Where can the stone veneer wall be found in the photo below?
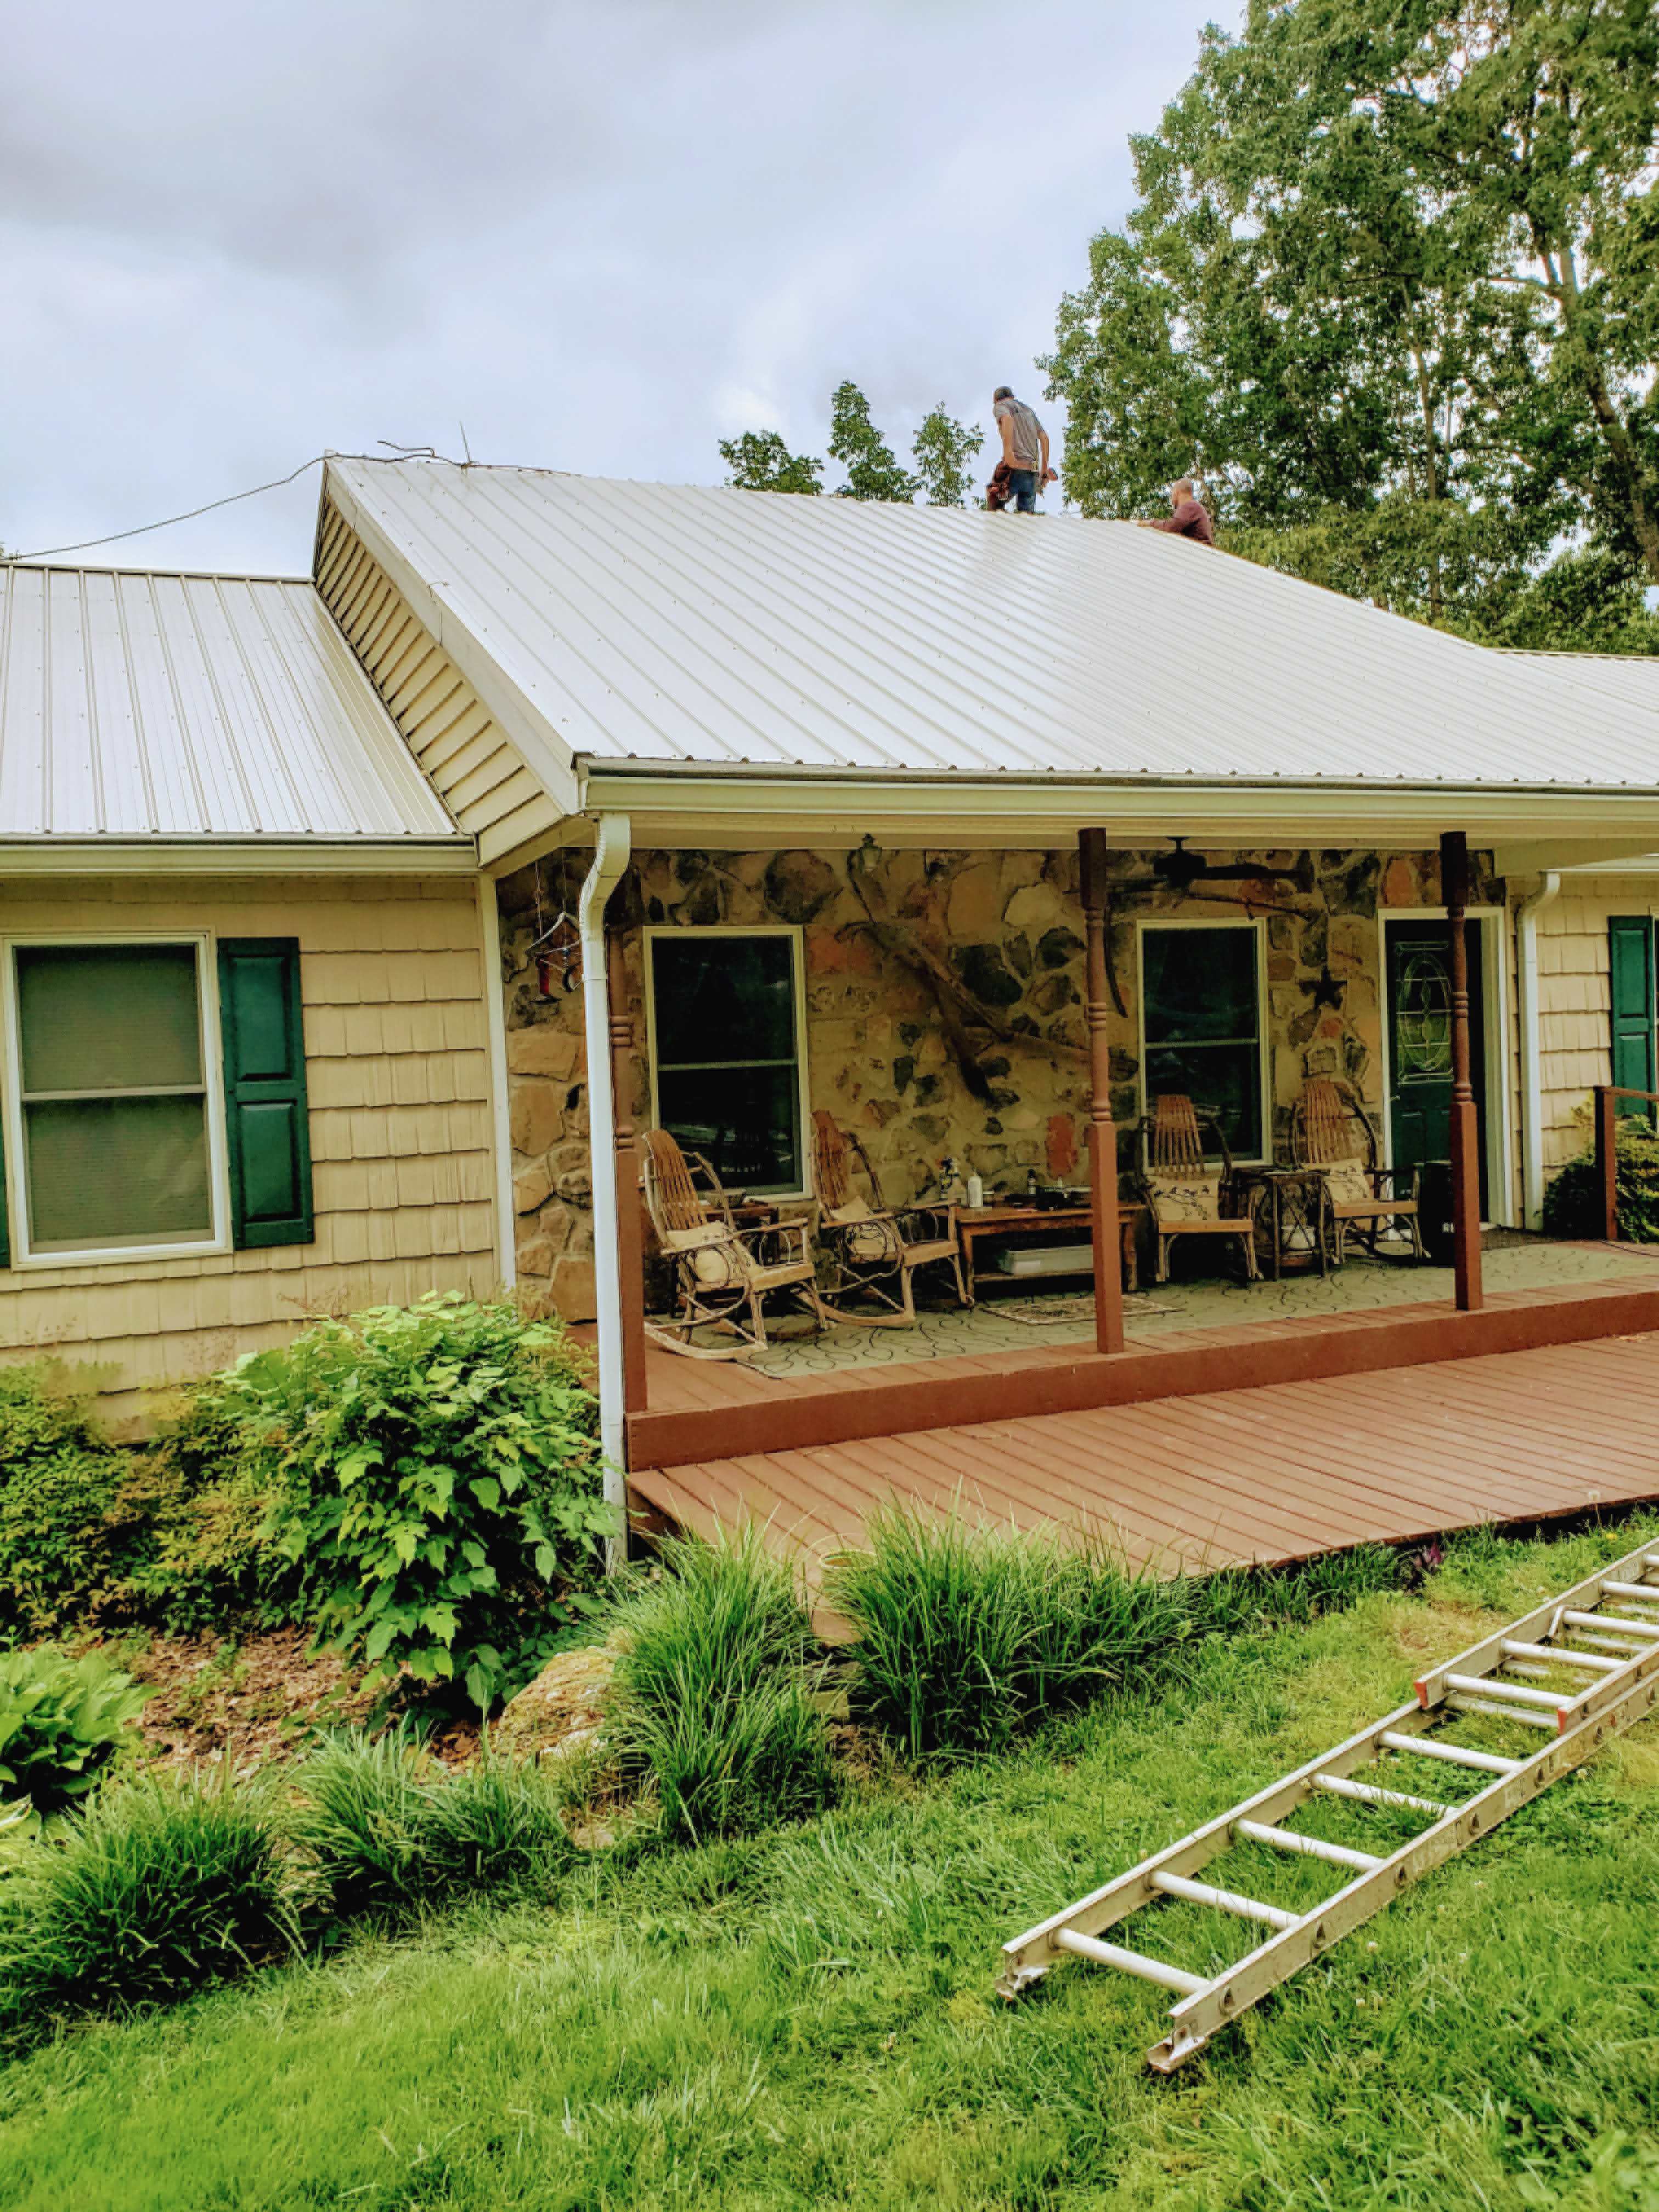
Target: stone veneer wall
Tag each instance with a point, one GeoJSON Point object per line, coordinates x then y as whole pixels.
{"type": "Point", "coordinates": [1011, 926]}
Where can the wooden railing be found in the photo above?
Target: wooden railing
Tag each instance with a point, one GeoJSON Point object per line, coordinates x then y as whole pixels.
{"type": "Point", "coordinates": [1607, 1096]}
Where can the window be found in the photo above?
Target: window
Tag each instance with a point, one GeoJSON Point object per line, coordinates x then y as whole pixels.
{"type": "Point", "coordinates": [725, 1057]}
{"type": "Point", "coordinates": [112, 1086]}
{"type": "Point", "coordinates": [1200, 1023]}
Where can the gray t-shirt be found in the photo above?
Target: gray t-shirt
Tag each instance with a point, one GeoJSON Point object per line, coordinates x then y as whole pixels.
{"type": "Point", "coordinates": [1027, 435]}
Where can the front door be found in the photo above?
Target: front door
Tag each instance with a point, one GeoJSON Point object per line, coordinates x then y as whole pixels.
{"type": "Point", "coordinates": [1419, 1043]}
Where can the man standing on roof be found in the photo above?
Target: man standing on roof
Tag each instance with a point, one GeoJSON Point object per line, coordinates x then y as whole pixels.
{"type": "Point", "coordinates": [1023, 469]}
{"type": "Point", "coordinates": [1188, 516]}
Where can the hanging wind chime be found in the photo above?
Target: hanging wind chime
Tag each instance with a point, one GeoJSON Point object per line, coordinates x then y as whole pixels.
{"type": "Point", "coordinates": [558, 943]}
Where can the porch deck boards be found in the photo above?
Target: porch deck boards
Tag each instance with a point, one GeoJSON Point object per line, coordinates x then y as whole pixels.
{"type": "Point", "coordinates": [1266, 1475]}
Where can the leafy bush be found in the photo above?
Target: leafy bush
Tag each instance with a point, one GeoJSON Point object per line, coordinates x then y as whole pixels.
{"type": "Point", "coordinates": [193, 1507]}
{"type": "Point", "coordinates": [385, 1837]}
{"type": "Point", "coordinates": [713, 1697]}
{"type": "Point", "coordinates": [159, 1887]}
{"type": "Point", "coordinates": [62, 1721]}
{"type": "Point", "coordinates": [967, 1637]}
{"type": "Point", "coordinates": [1572, 1199]}
{"type": "Point", "coordinates": [436, 1484]}
{"type": "Point", "coordinates": [59, 1475]}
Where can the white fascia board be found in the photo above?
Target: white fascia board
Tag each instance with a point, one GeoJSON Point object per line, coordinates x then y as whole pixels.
{"type": "Point", "coordinates": [238, 856]}
{"type": "Point", "coordinates": [732, 812]}
{"type": "Point", "coordinates": [520, 721]}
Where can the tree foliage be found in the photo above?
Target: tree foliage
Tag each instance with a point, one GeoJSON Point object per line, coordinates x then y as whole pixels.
{"type": "Point", "coordinates": [1392, 287]}
{"type": "Point", "coordinates": [942, 451]}
{"type": "Point", "coordinates": [872, 466]}
{"type": "Point", "coordinates": [759, 461]}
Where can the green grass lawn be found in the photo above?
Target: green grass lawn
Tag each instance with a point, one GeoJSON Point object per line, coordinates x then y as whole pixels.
{"type": "Point", "coordinates": [807, 2018]}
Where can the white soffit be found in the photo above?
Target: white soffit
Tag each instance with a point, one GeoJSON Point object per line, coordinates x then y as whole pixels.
{"type": "Point", "coordinates": [702, 629]}
{"type": "Point", "coordinates": [168, 707]}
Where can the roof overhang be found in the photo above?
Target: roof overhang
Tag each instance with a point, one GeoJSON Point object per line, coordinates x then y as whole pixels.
{"type": "Point", "coordinates": [238, 856]}
{"type": "Point", "coordinates": [1528, 828]}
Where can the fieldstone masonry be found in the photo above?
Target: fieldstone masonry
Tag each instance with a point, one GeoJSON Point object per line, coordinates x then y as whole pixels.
{"type": "Point", "coordinates": [1010, 926]}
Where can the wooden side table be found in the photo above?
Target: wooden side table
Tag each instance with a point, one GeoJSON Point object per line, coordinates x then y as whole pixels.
{"type": "Point", "coordinates": [974, 1224]}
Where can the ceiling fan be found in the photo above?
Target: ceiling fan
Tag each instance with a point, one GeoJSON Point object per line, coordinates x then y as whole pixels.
{"type": "Point", "coordinates": [1182, 873]}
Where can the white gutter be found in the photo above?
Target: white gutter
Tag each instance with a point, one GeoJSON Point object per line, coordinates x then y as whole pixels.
{"type": "Point", "coordinates": [610, 859]}
{"type": "Point", "coordinates": [490, 931]}
{"type": "Point", "coordinates": [1532, 1072]}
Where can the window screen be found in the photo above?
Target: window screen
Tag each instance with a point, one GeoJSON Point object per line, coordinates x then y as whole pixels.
{"type": "Point", "coordinates": [114, 1096]}
{"type": "Point", "coordinates": [728, 1054]}
{"type": "Point", "coordinates": [1201, 1025]}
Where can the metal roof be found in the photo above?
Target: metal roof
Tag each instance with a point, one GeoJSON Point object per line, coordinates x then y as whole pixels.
{"type": "Point", "coordinates": [134, 705]}
{"type": "Point", "coordinates": [695, 627]}
{"type": "Point", "coordinates": [1632, 677]}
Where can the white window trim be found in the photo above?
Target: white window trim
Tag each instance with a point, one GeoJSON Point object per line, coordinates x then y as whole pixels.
{"type": "Point", "coordinates": [797, 937]}
{"type": "Point", "coordinates": [207, 1006]}
{"type": "Point", "coordinates": [1264, 1043]}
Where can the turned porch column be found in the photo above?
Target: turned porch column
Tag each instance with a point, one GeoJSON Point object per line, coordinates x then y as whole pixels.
{"type": "Point", "coordinates": [630, 1262]}
{"type": "Point", "coordinates": [1103, 1136]}
{"type": "Point", "coordinates": [1465, 1113]}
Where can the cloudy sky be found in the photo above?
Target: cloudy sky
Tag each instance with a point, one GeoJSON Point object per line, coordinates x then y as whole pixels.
{"type": "Point", "coordinates": [602, 235]}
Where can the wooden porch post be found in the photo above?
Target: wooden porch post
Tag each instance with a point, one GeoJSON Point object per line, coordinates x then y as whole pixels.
{"type": "Point", "coordinates": [1465, 1114]}
{"type": "Point", "coordinates": [1103, 1136]}
{"type": "Point", "coordinates": [630, 1251]}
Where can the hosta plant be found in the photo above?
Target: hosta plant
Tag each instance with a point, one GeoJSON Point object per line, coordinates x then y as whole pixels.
{"type": "Point", "coordinates": [62, 1721]}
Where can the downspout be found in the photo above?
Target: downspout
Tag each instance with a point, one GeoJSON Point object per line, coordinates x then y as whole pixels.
{"type": "Point", "coordinates": [609, 860]}
{"type": "Point", "coordinates": [1532, 1068]}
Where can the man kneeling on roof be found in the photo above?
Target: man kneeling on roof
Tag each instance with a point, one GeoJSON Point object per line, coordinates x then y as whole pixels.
{"type": "Point", "coordinates": [1188, 516]}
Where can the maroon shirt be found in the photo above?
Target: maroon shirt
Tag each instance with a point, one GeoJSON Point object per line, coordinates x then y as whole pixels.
{"type": "Point", "coordinates": [1189, 520]}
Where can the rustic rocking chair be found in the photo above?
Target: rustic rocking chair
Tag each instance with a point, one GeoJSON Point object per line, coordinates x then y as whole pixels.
{"type": "Point", "coordinates": [1331, 1130]}
{"type": "Point", "coordinates": [875, 1250]}
{"type": "Point", "coordinates": [1184, 1193]}
{"type": "Point", "coordinates": [721, 1272]}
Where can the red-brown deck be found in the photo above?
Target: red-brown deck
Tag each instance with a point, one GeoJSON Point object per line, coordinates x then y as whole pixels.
{"type": "Point", "coordinates": [1274, 1473]}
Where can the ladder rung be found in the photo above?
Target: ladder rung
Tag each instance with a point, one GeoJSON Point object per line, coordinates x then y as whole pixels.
{"type": "Point", "coordinates": [1485, 1762]}
{"type": "Point", "coordinates": [1487, 1685]}
{"type": "Point", "coordinates": [1367, 1793]}
{"type": "Point", "coordinates": [1224, 1900]}
{"type": "Point", "coordinates": [1627, 1652]}
{"type": "Point", "coordinates": [1644, 1630]}
{"type": "Point", "coordinates": [1648, 1592]}
{"type": "Point", "coordinates": [1131, 1962]}
{"type": "Point", "coordinates": [1525, 1667]}
{"type": "Point", "coordinates": [1488, 1710]}
{"type": "Point", "coordinates": [1561, 1655]}
{"type": "Point", "coordinates": [1314, 1847]}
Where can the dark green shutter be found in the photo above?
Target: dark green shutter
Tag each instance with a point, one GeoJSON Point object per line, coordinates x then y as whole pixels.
{"type": "Point", "coordinates": [269, 1142]}
{"type": "Point", "coordinates": [1630, 950]}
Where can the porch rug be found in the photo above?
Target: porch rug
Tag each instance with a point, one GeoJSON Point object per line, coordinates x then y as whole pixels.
{"type": "Point", "coordinates": [1065, 1313]}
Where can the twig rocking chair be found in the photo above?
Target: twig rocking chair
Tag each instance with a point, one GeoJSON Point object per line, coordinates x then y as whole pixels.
{"type": "Point", "coordinates": [721, 1272]}
{"type": "Point", "coordinates": [1186, 1195]}
{"type": "Point", "coordinates": [874, 1249]}
{"type": "Point", "coordinates": [1331, 1130]}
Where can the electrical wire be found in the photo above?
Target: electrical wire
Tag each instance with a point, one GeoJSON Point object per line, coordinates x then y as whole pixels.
{"type": "Point", "coordinates": [86, 545]}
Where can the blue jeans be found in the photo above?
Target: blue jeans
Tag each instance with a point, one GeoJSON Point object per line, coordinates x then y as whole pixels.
{"type": "Point", "coordinates": [1024, 484]}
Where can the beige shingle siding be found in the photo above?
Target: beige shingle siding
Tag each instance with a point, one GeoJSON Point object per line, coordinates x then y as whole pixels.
{"type": "Point", "coordinates": [397, 1076]}
{"type": "Point", "coordinates": [474, 766]}
{"type": "Point", "coordinates": [1575, 1027]}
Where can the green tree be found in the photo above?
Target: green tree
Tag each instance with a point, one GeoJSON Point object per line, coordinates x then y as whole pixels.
{"type": "Point", "coordinates": [872, 466]}
{"type": "Point", "coordinates": [760, 461]}
{"type": "Point", "coordinates": [1391, 286]}
{"type": "Point", "coordinates": [942, 451]}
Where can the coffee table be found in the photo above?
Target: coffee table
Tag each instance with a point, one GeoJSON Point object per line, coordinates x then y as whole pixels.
{"type": "Point", "coordinates": [974, 1224]}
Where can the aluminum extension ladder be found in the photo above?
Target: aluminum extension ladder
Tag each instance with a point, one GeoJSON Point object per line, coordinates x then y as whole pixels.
{"type": "Point", "coordinates": [1581, 1667]}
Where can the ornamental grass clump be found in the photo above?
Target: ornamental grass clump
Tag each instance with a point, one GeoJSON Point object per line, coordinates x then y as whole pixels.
{"type": "Point", "coordinates": [387, 1832]}
{"type": "Point", "coordinates": [159, 1887]}
{"type": "Point", "coordinates": [436, 1484]}
{"type": "Point", "coordinates": [966, 1638]}
{"type": "Point", "coordinates": [715, 1701]}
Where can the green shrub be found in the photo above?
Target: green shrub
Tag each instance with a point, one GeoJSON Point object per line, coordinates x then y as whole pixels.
{"type": "Point", "coordinates": [59, 1475]}
{"type": "Point", "coordinates": [1572, 1199]}
{"type": "Point", "coordinates": [158, 1888]}
{"type": "Point", "coordinates": [386, 1834]}
{"type": "Point", "coordinates": [193, 1507]}
{"type": "Point", "coordinates": [966, 1637]}
{"type": "Point", "coordinates": [435, 1485]}
{"type": "Point", "coordinates": [62, 1721]}
{"type": "Point", "coordinates": [713, 1697]}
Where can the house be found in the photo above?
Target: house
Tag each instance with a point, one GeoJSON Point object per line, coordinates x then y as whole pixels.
{"type": "Point", "coordinates": [767, 805]}
{"type": "Point", "coordinates": [244, 1071]}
